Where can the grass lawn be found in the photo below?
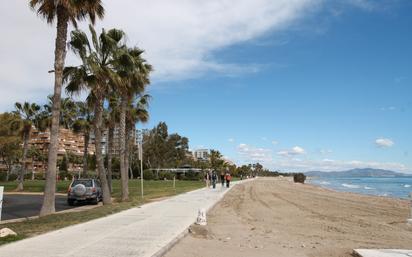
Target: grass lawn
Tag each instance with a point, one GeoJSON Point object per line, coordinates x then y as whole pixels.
{"type": "Point", "coordinates": [152, 190]}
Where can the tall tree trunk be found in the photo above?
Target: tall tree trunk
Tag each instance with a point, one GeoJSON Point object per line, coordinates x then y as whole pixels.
{"type": "Point", "coordinates": [110, 157]}
{"type": "Point", "coordinates": [127, 152]}
{"type": "Point", "coordinates": [99, 156]}
{"type": "Point", "coordinates": [85, 153]}
{"type": "Point", "coordinates": [48, 206]}
{"type": "Point", "coordinates": [8, 172]}
{"type": "Point", "coordinates": [123, 168]}
{"type": "Point", "coordinates": [26, 137]}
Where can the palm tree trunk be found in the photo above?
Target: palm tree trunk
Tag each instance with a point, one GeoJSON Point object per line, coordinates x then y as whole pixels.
{"type": "Point", "coordinates": [123, 168]}
{"type": "Point", "coordinates": [48, 206]}
{"type": "Point", "coordinates": [85, 152]}
{"type": "Point", "coordinates": [110, 157]}
{"type": "Point", "coordinates": [127, 153]}
{"type": "Point", "coordinates": [26, 137]}
{"type": "Point", "coordinates": [8, 172]}
{"type": "Point", "coordinates": [99, 156]}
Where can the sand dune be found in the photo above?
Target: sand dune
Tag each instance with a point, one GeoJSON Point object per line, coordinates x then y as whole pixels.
{"type": "Point", "coordinates": [275, 217]}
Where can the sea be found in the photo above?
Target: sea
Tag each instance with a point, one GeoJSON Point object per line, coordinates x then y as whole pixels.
{"type": "Point", "coordinates": [397, 187]}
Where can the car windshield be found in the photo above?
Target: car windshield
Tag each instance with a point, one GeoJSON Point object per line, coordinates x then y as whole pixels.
{"type": "Point", "coordinates": [86, 183]}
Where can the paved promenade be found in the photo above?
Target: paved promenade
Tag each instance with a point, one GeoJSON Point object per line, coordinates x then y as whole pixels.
{"type": "Point", "coordinates": [143, 231]}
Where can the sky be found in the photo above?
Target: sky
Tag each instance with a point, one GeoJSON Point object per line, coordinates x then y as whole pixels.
{"type": "Point", "coordinates": [296, 85]}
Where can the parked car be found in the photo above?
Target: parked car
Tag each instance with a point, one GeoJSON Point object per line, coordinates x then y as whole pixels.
{"type": "Point", "coordinates": [84, 190]}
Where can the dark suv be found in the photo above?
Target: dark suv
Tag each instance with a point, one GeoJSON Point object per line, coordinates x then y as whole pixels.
{"type": "Point", "coordinates": [84, 190]}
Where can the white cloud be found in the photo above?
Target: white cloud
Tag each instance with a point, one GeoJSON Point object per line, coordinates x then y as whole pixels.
{"type": "Point", "coordinates": [298, 160]}
{"type": "Point", "coordinates": [231, 140]}
{"type": "Point", "coordinates": [254, 154]}
{"type": "Point", "coordinates": [389, 108]}
{"type": "Point", "coordinates": [297, 150]}
{"type": "Point", "coordinates": [274, 142]}
{"type": "Point", "coordinates": [384, 142]}
{"type": "Point", "coordinates": [179, 37]}
{"type": "Point", "coordinates": [363, 4]}
{"type": "Point", "coordinates": [325, 151]}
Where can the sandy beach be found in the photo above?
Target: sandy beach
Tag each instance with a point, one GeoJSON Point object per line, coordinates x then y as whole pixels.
{"type": "Point", "coordinates": [275, 217]}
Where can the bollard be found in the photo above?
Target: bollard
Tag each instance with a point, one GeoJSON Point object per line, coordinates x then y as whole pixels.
{"type": "Point", "coordinates": [410, 219]}
{"type": "Point", "coordinates": [201, 217]}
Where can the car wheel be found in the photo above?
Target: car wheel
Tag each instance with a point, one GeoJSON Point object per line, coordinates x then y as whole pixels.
{"type": "Point", "coordinates": [70, 202]}
{"type": "Point", "coordinates": [95, 200]}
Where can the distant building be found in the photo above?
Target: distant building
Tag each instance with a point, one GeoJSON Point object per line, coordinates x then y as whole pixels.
{"type": "Point", "coordinates": [201, 154]}
{"type": "Point", "coordinates": [116, 140]}
{"type": "Point", "coordinates": [69, 143]}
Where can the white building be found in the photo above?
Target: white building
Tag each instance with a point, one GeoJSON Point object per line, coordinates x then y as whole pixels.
{"type": "Point", "coordinates": [201, 154]}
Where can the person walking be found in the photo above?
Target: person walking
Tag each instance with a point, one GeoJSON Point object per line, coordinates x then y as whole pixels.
{"type": "Point", "coordinates": [228, 178]}
{"type": "Point", "coordinates": [207, 179]}
{"type": "Point", "coordinates": [214, 179]}
{"type": "Point", "coordinates": [222, 178]}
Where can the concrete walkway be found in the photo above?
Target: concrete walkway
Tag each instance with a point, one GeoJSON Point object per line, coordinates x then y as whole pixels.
{"type": "Point", "coordinates": [148, 230]}
{"type": "Point", "coordinates": [382, 253]}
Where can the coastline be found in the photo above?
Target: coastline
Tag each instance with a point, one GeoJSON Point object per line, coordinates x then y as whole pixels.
{"type": "Point", "coordinates": [348, 184]}
{"type": "Point", "coordinates": [275, 217]}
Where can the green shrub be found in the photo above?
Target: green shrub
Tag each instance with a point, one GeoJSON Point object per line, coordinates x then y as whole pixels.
{"type": "Point", "coordinates": [192, 176]}
{"type": "Point", "coordinates": [166, 175]}
{"type": "Point", "coordinates": [299, 178]}
{"type": "Point", "coordinates": [148, 175]}
{"type": "Point", "coordinates": [65, 174]}
{"type": "Point", "coordinates": [12, 177]}
{"type": "Point", "coordinates": [3, 176]}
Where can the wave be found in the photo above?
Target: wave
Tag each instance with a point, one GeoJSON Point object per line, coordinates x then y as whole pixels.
{"type": "Point", "coordinates": [368, 188]}
{"type": "Point", "coordinates": [406, 185]}
{"type": "Point", "coordinates": [324, 183]}
{"type": "Point", "coordinates": [350, 185]}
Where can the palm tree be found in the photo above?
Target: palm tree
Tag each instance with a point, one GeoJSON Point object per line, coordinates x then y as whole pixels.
{"type": "Point", "coordinates": [137, 112]}
{"type": "Point", "coordinates": [64, 11]}
{"type": "Point", "coordinates": [132, 77]}
{"type": "Point", "coordinates": [83, 124]}
{"type": "Point", "coordinates": [111, 120]}
{"type": "Point", "coordinates": [68, 112]}
{"type": "Point", "coordinates": [93, 75]}
{"type": "Point", "coordinates": [28, 113]}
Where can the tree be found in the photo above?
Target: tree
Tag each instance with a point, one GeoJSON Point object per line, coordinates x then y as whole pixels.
{"type": "Point", "coordinates": [10, 152]}
{"type": "Point", "coordinates": [162, 150]}
{"type": "Point", "coordinates": [64, 11]}
{"type": "Point", "coordinates": [132, 77]}
{"type": "Point", "coordinates": [83, 124]}
{"type": "Point", "coordinates": [93, 76]}
{"type": "Point", "coordinates": [137, 112]}
{"type": "Point", "coordinates": [111, 118]}
{"type": "Point", "coordinates": [28, 113]}
{"type": "Point", "coordinates": [36, 154]}
{"type": "Point", "coordinates": [216, 160]}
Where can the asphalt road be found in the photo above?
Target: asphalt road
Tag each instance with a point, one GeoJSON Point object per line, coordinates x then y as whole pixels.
{"type": "Point", "coordinates": [21, 206]}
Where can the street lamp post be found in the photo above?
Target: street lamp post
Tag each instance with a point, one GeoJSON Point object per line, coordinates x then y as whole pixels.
{"type": "Point", "coordinates": [140, 146]}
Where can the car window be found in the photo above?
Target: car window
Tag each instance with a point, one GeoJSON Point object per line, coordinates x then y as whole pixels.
{"type": "Point", "coordinates": [97, 183]}
{"type": "Point", "coordinates": [86, 183]}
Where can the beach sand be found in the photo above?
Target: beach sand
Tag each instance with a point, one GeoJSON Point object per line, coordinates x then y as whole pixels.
{"type": "Point", "coordinates": [275, 217]}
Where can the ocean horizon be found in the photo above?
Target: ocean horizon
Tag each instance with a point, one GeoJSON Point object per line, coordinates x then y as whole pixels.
{"type": "Point", "coordinates": [395, 187]}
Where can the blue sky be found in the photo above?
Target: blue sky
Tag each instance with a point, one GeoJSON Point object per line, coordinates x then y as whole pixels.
{"type": "Point", "coordinates": [294, 84]}
{"type": "Point", "coordinates": [332, 93]}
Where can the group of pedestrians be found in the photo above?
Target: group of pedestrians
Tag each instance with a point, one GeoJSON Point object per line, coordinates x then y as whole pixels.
{"type": "Point", "coordinates": [212, 177]}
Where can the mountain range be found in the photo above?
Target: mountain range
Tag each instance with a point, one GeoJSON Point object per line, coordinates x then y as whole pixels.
{"type": "Point", "coordinates": [367, 172]}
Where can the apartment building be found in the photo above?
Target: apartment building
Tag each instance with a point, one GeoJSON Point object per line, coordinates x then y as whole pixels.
{"type": "Point", "coordinates": [69, 143]}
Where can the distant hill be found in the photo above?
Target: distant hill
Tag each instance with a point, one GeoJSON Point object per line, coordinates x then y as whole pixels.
{"type": "Point", "coordinates": [356, 173]}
